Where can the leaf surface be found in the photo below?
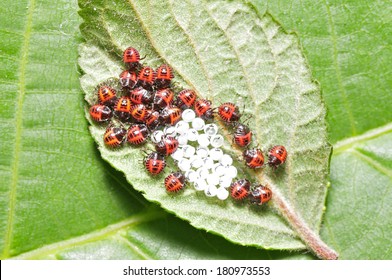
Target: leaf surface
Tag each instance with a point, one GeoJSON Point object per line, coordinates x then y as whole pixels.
{"type": "Point", "coordinates": [226, 52]}
{"type": "Point", "coordinates": [49, 166]}
{"type": "Point", "coordinates": [358, 221]}
{"type": "Point", "coordinates": [348, 46]}
{"type": "Point", "coordinates": [40, 82]}
{"type": "Point", "coordinates": [349, 49]}
{"type": "Point", "coordinates": [58, 198]}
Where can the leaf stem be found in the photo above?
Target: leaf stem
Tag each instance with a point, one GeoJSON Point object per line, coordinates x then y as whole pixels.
{"type": "Point", "coordinates": [305, 233]}
{"type": "Point", "coordinates": [311, 239]}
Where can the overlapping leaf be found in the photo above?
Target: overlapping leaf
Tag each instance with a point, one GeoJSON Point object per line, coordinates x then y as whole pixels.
{"type": "Point", "coordinates": [226, 52]}
{"type": "Point", "coordinates": [361, 174]}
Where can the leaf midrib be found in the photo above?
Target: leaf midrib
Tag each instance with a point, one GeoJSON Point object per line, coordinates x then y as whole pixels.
{"type": "Point", "coordinates": [18, 127]}
{"type": "Point", "coordinates": [346, 144]}
{"type": "Point", "coordinates": [148, 33]}
{"type": "Point", "coordinates": [338, 72]}
{"type": "Point", "coordinates": [113, 230]}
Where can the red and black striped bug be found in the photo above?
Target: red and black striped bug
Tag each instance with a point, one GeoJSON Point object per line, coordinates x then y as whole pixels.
{"type": "Point", "coordinates": [146, 77]}
{"type": "Point", "coordinates": [186, 98]}
{"type": "Point", "coordinates": [154, 163]}
{"type": "Point", "coordinates": [242, 135]}
{"type": "Point", "coordinates": [122, 109]}
{"type": "Point", "coordinates": [152, 120]}
{"type": "Point", "coordinates": [114, 136]}
{"type": "Point", "coordinates": [175, 182]}
{"type": "Point", "coordinates": [203, 109]}
{"type": "Point", "coordinates": [137, 134]}
{"type": "Point", "coordinates": [163, 98]}
{"type": "Point", "coordinates": [131, 58]}
{"type": "Point", "coordinates": [240, 189]}
{"type": "Point", "coordinates": [128, 79]}
{"type": "Point", "coordinates": [253, 158]}
{"type": "Point", "coordinates": [107, 96]}
{"type": "Point", "coordinates": [100, 113]}
{"type": "Point", "coordinates": [141, 96]}
{"type": "Point", "coordinates": [139, 112]}
{"type": "Point", "coordinates": [229, 112]}
{"type": "Point", "coordinates": [276, 156]}
{"type": "Point", "coordinates": [167, 145]}
{"type": "Point", "coordinates": [164, 75]}
{"type": "Point", "coordinates": [170, 115]}
{"type": "Point", "coordinates": [260, 195]}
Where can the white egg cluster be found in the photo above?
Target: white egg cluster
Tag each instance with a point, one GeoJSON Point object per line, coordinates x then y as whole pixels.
{"type": "Point", "coordinates": [199, 155]}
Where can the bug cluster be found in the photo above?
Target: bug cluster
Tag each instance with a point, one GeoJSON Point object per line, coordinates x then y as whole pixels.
{"type": "Point", "coordinates": [182, 126]}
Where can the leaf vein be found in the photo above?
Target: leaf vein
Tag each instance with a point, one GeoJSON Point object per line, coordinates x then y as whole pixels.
{"type": "Point", "coordinates": [346, 144]}
{"type": "Point", "coordinates": [236, 53]}
{"type": "Point", "coordinates": [18, 125]}
{"type": "Point", "coordinates": [108, 231]}
{"type": "Point", "coordinates": [134, 248]}
{"type": "Point", "coordinates": [193, 44]}
{"type": "Point", "coordinates": [342, 90]}
{"type": "Point", "coordinates": [376, 165]}
{"type": "Point", "coordinates": [258, 125]}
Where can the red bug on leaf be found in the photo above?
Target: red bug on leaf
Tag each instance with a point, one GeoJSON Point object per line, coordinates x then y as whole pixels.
{"type": "Point", "coordinates": [114, 136]}
{"type": "Point", "coordinates": [152, 120]}
{"type": "Point", "coordinates": [277, 156]}
{"type": "Point", "coordinates": [170, 115]}
{"type": "Point", "coordinates": [203, 109]}
{"type": "Point", "coordinates": [229, 112]}
{"type": "Point", "coordinates": [154, 163]}
{"type": "Point", "coordinates": [128, 79]}
{"type": "Point", "coordinates": [186, 98]}
{"type": "Point", "coordinates": [146, 77]}
{"type": "Point", "coordinates": [240, 189]}
{"type": "Point", "coordinates": [242, 135]}
{"type": "Point", "coordinates": [122, 109]}
{"type": "Point", "coordinates": [100, 113]}
{"type": "Point", "coordinates": [167, 145]}
{"type": "Point", "coordinates": [164, 75]}
{"type": "Point", "coordinates": [139, 112]}
{"type": "Point", "coordinates": [141, 96]}
{"type": "Point", "coordinates": [137, 134]}
{"type": "Point", "coordinates": [107, 96]}
{"type": "Point", "coordinates": [254, 158]}
{"type": "Point", "coordinates": [131, 58]}
{"type": "Point", "coordinates": [260, 195]}
{"type": "Point", "coordinates": [163, 98]}
{"type": "Point", "coordinates": [175, 182]}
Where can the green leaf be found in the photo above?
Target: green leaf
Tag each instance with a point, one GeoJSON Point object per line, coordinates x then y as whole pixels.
{"type": "Point", "coordinates": [49, 166]}
{"type": "Point", "coordinates": [349, 49]}
{"type": "Point", "coordinates": [226, 52]}
{"type": "Point", "coordinates": [44, 217]}
{"type": "Point", "coordinates": [58, 198]}
{"type": "Point", "coordinates": [348, 46]}
{"type": "Point", "coordinates": [358, 221]}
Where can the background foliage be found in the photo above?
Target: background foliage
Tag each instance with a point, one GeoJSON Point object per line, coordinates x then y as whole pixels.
{"type": "Point", "coordinates": [53, 178]}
